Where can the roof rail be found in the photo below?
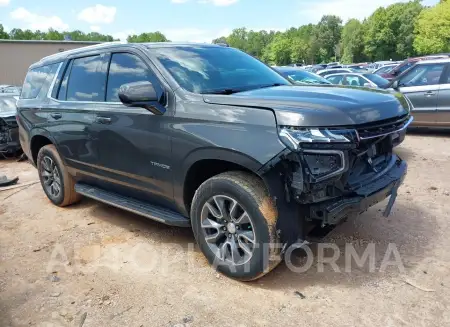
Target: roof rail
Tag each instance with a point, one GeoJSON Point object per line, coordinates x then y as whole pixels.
{"type": "Point", "coordinates": [89, 47]}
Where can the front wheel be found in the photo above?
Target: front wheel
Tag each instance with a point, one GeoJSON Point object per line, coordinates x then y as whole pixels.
{"type": "Point", "coordinates": [234, 219]}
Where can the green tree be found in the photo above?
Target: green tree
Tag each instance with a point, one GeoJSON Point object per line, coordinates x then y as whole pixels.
{"type": "Point", "coordinates": [328, 35]}
{"type": "Point", "coordinates": [353, 42]}
{"type": "Point", "coordinates": [3, 34]}
{"type": "Point", "coordinates": [433, 29]}
{"type": "Point", "coordinates": [148, 37]}
{"type": "Point", "coordinates": [390, 31]}
{"type": "Point", "coordinates": [278, 52]}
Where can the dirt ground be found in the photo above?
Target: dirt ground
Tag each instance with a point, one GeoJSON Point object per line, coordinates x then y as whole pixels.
{"type": "Point", "coordinates": [94, 265]}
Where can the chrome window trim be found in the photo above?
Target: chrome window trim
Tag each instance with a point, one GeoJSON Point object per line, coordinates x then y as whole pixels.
{"type": "Point", "coordinates": [52, 84]}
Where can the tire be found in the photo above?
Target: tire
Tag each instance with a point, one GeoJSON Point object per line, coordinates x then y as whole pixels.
{"type": "Point", "coordinates": [211, 202]}
{"type": "Point", "coordinates": [49, 161]}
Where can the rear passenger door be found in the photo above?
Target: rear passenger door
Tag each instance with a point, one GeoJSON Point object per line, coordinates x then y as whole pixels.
{"type": "Point", "coordinates": [421, 85]}
{"type": "Point", "coordinates": [79, 89]}
{"type": "Point", "coordinates": [133, 144]}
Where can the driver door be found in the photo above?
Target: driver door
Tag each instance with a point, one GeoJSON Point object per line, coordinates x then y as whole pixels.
{"type": "Point", "coordinates": [421, 86]}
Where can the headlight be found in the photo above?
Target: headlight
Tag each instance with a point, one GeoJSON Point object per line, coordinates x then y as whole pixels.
{"type": "Point", "coordinates": [293, 137]}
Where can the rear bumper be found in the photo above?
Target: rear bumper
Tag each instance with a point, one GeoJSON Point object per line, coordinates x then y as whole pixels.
{"type": "Point", "coordinates": [362, 198]}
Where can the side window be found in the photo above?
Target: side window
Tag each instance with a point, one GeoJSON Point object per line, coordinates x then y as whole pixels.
{"type": "Point", "coordinates": [86, 80]}
{"type": "Point", "coordinates": [335, 79]}
{"type": "Point", "coordinates": [354, 80]}
{"type": "Point", "coordinates": [35, 80]}
{"type": "Point", "coordinates": [423, 75]}
{"type": "Point", "coordinates": [127, 68]}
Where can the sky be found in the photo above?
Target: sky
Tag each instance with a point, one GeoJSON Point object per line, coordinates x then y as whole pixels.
{"type": "Point", "coordinates": [179, 20]}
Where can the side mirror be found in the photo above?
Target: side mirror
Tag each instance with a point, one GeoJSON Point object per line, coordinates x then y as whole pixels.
{"type": "Point", "coordinates": [395, 85]}
{"type": "Point", "coordinates": [368, 85]}
{"type": "Point", "coordinates": [141, 94]}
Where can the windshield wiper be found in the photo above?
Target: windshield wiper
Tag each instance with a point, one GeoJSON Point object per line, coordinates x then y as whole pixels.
{"type": "Point", "coordinates": [268, 85]}
{"type": "Point", "coordinates": [222, 91]}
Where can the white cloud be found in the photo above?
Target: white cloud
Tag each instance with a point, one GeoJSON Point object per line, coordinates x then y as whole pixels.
{"type": "Point", "coordinates": [221, 3]}
{"type": "Point", "coordinates": [95, 28]}
{"type": "Point", "coordinates": [4, 2]}
{"type": "Point", "coordinates": [346, 9]}
{"type": "Point", "coordinates": [122, 35]}
{"type": "Point", "coordinates": [37, 22]}
{"type": "Point", "coordinates": [98, 14]}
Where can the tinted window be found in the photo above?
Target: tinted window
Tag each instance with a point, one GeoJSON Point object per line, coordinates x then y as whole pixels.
{"type": "Point", "coordinates": [86, 81]}
{"type": "Point", "coordinates": [423, 75]}
{"type": "Point", "coordinates": [35, 79]}
{"type": "Point", "coordinates": [213, 69]}
{"type": "Point", "coordinates": [126, 68]}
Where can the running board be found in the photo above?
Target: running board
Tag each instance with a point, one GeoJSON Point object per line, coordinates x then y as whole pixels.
{"type": "Point", "coordinates": [162, 215]}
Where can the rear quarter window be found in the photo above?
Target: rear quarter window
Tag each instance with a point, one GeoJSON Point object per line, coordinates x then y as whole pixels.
{"type": "Point", "coordinates": [37, 80]}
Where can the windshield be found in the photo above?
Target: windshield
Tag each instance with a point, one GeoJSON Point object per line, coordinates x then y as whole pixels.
{"type": "Point", "coordinates": [385, 69]}
{"type": "Point", "coordinates": [378, 80]}
{"type": "Point", "coordinates": [302, 76]}
{"type": "Point", "coordinates": [7, 104]}
{"type": "Point", "coordinates": [207, 69]}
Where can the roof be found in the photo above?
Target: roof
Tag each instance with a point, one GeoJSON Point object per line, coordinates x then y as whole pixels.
{"type": "Point", "coordinates": [433, 61]}
{"type": "Point", "coordinates": [60, 56]}
{"type": "Point", "coordinates": [180, 44]}
{"type": "Point", "coordinates": [48, 41]}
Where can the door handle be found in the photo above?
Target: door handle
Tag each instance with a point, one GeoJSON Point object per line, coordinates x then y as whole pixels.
{"type": "Point", "coordinates": [56, 115]}
{"type": "Point", "coordinates": [429, 93]}
{"type": "Point", "coordinates": [103, 120]}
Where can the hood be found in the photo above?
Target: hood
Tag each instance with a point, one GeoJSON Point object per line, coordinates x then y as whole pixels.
{"type": "Point", "coordinates": [314, 106]}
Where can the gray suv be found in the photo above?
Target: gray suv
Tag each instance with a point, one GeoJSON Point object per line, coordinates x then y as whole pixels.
{"type": "Point", "coordinates": [208, 137]}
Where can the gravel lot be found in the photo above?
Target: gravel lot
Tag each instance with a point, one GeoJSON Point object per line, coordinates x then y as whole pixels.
{"type": "Point", "coordinates": [94, 265]}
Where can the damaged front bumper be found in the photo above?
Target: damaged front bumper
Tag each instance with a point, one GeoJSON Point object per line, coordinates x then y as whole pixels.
{"type": "Point", "coordinates": [321, 184]}
{"type": "Point", "coordinates": [333, 211]}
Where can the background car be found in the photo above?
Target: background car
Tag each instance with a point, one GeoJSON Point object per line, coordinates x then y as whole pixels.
{"type": "Point", "coordinates": [362, 80]}
{"type": "Point", "coordinates": [427, 86]}
{"type": "Point", "coordinates": [301, 76]}
{"type": "Point", "coordinates": [406, 64]}
{"type": "Point", "coordinates": [326, 72]}
{"type": "Point", "coordinates": [9, 131]}
{"type": "Point", "coordinates": [385, 69]}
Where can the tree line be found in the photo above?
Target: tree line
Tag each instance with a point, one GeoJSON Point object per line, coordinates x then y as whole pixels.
{"type": "Point", "coordinates": [396, 32]}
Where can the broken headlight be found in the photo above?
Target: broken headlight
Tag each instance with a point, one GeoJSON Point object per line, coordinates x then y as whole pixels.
{"type": "Point", "coordinates": [293, 137]}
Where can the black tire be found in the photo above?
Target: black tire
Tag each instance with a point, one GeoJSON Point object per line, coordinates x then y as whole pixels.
{"type": "Point", "coordinates": [66, 195]}
{"type": "Point", "coordinates": [251, 194]}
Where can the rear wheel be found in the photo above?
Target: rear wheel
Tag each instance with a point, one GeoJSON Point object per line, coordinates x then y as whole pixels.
{"type": "Point", "coordinates": [57, 183]}
{"type": "Point", "coordinates": [234, 220]}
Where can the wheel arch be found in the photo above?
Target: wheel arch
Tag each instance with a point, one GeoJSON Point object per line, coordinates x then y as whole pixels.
{"type": "Point", "coordinates": [203, 164]}
{"type": "Point", "coordinates": [39, 138]}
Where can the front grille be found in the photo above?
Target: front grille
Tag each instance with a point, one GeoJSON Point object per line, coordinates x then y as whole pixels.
{"type": "Point", "coordinates": [384, 127]}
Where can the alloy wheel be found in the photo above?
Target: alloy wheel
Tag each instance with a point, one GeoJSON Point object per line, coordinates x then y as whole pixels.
{"type": "Point", "coordinates": [228, 229]}
{"type": "Point", "coordinates": [50, 176]}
